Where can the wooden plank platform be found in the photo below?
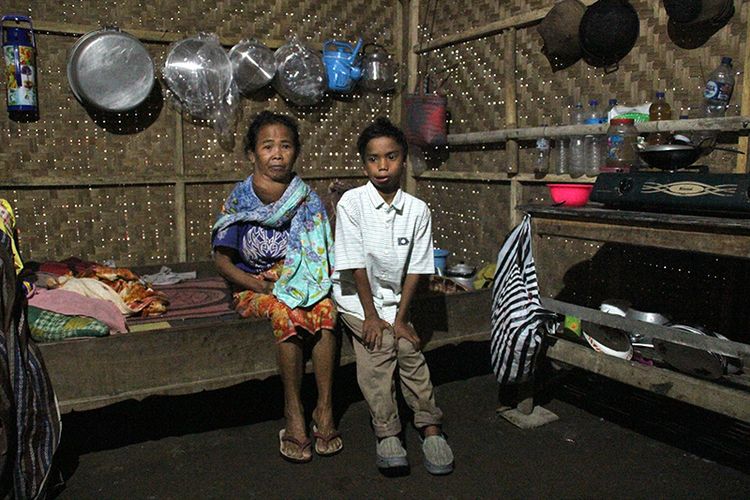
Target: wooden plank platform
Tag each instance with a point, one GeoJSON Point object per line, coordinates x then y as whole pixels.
{"type": "Point", "coordinates": [211, 354]}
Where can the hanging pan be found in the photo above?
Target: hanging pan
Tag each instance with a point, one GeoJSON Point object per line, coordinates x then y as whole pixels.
{"type": "Point", "coordinates": [110, 70]}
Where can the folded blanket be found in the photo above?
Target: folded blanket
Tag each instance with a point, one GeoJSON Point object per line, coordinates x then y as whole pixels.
{"type": "Point", "coordinates": [74, 304]}
{"type": "Point", "coordinates": [48, 326]}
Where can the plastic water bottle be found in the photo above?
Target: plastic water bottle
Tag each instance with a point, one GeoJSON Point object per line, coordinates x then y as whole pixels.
{"type": "Point", "coordinates": [719, 87]}
{"type": "Point", "coordinates": [541, 161]}
{"type": "Point", "coordinates": [606, 118]}
{"type": "Point", "coordinates": [577, 166]}
{"type": "Point", "coordinates": [592, 143]}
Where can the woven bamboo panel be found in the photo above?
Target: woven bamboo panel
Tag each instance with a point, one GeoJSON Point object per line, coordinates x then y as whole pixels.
{"type": "Point", "coordinates": [70, 142]}
{"type": "Point", "coordinates": [129, 225]}
{"type": "Point", "coordinates": [328, 133]}
{"type": "Point", "coordinates": [468, 219]}
{"type": "Point", "coordinates": [475, 86]}
{"type": "Point", "coordinates": [235, 18]}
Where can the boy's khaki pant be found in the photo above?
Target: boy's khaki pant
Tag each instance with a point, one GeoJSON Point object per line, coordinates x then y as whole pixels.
{"type": "Point", "coordinates": [375, 370]}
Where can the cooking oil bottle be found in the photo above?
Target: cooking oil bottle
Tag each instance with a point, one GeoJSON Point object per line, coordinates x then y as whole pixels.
{"type": "Point", "coordinates": [659, 110]}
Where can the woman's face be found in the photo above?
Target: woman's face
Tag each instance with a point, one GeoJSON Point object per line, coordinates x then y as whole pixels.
{"type": "Point", "coordinates": [274, 153]}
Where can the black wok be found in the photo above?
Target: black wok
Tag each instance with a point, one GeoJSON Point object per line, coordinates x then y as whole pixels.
{"type": "Point", "coordinates": [675, 156]}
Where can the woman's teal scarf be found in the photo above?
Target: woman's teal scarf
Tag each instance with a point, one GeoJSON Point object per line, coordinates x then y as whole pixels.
{"type": "Point", "coordinates": [306, 276]}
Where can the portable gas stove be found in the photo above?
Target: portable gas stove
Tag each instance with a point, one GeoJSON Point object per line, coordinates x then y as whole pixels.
{"type": "Point", "coordinates": [695, 191]}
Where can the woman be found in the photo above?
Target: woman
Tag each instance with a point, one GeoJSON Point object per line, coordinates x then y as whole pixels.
{"type": "Point", "coordinates": [273, 242]}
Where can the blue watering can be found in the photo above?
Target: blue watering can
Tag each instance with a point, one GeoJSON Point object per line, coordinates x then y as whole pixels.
{"type": "Point", "coordinates": [342, 69]}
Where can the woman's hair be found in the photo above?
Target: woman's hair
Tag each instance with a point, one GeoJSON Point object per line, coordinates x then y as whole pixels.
{"type": "Point", "coordinates": [381, 127]}
{"type": "Point", "coordinates": [268, 118]}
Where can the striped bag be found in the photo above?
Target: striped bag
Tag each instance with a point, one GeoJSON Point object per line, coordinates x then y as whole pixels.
{"type": "Point", "coordinates": [518, 317]}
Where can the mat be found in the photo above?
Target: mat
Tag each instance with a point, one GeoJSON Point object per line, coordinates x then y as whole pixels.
{"type": "Point", "coordinates": [198, 298]}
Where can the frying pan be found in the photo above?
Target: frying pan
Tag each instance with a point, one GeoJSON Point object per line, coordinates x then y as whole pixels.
{"type": "Point", "coordinates": [676, 156]}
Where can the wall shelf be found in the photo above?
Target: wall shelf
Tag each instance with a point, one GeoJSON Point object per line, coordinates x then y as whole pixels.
{"type": "Point", "coordinates": [729, 123]}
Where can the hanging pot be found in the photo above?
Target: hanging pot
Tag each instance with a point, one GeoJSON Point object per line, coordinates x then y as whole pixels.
{"type": "Point", "coordinates": [608, 31]}
{"type": "Point", "coordinates": [253, 65]}
{"type": "Point", "coordinates": [110, 70]}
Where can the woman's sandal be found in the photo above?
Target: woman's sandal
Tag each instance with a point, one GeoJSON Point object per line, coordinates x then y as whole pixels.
{"type": "Point", "coordinates": [302, 445]}
{"type": "Point", "coordinates": [319, 437]}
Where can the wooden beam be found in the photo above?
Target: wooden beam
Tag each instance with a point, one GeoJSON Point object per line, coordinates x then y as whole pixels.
{"type": "Point", "coordinates": [398, 32]}
{"type": "Point", "coordinates": [514, 22]}
{"type": "Point", "coordinates": [704, 394]}
{"type": "Point", "coordinates": [524, 178]}
{"type": "Point", "coordinates": [729, 123]}
{"type": "Point", "coordinates": [412, 68]}
{"type": "Point", "coordinates": [742, 161]}
{"type": "Point", "coordinates": [75, 182]}
{"type": "Point", "coordinates": [511, 108]}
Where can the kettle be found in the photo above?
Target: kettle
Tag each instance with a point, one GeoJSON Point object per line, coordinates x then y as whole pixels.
{"type": "Point", "coordinates": [342, 68]}
{"type": "Point", "coordinates": [378, 72]}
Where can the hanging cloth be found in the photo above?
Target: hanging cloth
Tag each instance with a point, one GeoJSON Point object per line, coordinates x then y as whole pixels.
{"type": "Point", "coordinates": [518, 318]}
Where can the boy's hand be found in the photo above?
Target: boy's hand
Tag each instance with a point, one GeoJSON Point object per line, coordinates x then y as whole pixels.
{"type": "Point", "coordinates": [404, 330]}
{"type": "Point", "coordinates": [372, 329]}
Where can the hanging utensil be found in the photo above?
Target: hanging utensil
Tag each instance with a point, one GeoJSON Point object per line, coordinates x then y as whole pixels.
{"type": "Point", "coordinates": [110, 70]}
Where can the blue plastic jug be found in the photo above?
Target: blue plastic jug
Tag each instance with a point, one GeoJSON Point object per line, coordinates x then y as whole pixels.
{"type": "Point", "coordinates": [342, 67]}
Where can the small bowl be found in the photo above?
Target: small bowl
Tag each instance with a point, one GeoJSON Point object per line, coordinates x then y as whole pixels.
{"type": "Point", "coordinates": [570, 195]}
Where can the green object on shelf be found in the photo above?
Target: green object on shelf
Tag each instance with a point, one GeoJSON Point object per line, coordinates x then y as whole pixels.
{"type": "Point", "coordinates": [573, 325]}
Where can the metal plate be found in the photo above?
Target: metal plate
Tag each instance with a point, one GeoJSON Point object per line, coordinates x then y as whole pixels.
{"type": "Point", "coordinates": [110, 70]}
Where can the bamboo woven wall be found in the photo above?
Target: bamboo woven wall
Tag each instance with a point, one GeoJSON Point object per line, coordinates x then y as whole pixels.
{"type": "Point", "coordinates": [475, 89]}
{"type": "Point", "coordinates": [70, 148]}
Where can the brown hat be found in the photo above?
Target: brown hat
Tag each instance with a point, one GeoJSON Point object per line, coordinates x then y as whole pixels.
{"type": "Point", "coordinates": [693, 22]}
{"type": "Point", "coordinates": [559, 30]}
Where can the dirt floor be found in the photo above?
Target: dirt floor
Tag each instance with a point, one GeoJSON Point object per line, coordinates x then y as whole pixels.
{"type": "Point", "coordinates": [611, 441]}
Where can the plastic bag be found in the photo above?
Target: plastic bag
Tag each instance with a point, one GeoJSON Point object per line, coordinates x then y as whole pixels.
{"type": "Point", "coordinates": [300, 75]}
{"type": "Point", "coordinates": [198, 71]}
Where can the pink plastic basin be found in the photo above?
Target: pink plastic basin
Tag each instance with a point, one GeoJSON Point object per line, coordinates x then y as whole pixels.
{"type": "Point", "coordinates": [571, 195]}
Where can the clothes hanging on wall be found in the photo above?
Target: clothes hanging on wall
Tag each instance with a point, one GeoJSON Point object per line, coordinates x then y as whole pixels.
{"type": "Point", "coordinates": [518, 318]}
{"type": "Point", "coordinates": [29, 415]}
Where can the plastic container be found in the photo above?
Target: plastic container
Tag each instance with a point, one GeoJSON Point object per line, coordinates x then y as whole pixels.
{"type": "Point", "coordinates": [659, 110]}
{"type": "Point", "coordinates": [441, 260]}
{"type": "Point", "coordinates": [593, 144]}
{"type": "Point", "coordinates": [622, 137]}
{"type": "Point", "coordinates": [570, 195]}
{"type": "Point", "coordinates": [541, 160]}
{"type": "Point", "coordinates": [576, 165]}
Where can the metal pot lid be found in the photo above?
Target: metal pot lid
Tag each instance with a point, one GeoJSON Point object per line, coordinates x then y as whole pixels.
{"type": "Point", "coordinates": [253, 65]}
{"type": "Point", "coordinates": [461, 269]}
{"type": "Point", "coordinates": [111, 70]}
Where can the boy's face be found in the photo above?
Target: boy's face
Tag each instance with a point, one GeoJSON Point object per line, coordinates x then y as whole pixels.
{"type": "Point", "coordinates": [384, 164]}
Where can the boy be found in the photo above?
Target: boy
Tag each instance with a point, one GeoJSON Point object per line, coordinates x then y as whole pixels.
{"type": "Point", "coordinates": [383, 249]}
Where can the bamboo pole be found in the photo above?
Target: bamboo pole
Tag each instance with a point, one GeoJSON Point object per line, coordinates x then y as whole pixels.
{"type": "Point", "coordinates": [514, 22]}
{"type": "Point", "coordinates": [179, 191]}
{"type": "Point", "coordinates": [399, 54]}
{"type": "Point", "coordinates": [412, 63]}
{"type": "Point", "coordinates": [511, 110]}
{"type": "Point", "coordinates": [742, 161]}
{"type": "Point", "coordinates": [730, 123]}
{"type": "Point", "coordinates": [502, 177]}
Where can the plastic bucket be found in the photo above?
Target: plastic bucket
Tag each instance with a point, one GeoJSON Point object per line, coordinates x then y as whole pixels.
{"type": "Point", "coordinates": [441, 260]}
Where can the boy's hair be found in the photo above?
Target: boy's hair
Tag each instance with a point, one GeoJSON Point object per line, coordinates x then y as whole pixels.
{"type": "Point", "coordinates": [381, 127]}
{"type": "Point", "coordinates": [268, 118]}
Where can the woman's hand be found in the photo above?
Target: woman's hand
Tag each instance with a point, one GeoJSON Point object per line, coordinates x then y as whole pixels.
{"type": "Point", "coordinates": [405, 331]}
{"type": "Point", "coordinates": [372, 330]}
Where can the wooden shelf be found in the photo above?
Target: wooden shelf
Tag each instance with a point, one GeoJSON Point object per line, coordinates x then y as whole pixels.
{"type": "Point", "coordinates": [729, 123]}
{"type": "Point", "coordinates": [502, 177]}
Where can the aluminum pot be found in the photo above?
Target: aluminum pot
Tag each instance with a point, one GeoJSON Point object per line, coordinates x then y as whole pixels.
{"type": "Point", "coordinates": [110, 70]}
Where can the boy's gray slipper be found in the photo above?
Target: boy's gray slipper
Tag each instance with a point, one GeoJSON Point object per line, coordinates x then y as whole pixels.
{"type": "Point", "coordinates": [438, 456]}
{"type": "Point", "coordinates": [391, 453]}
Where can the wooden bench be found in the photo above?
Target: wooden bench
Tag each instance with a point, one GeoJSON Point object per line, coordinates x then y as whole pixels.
{"type": "Point", "coordinates": [205, 354]}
